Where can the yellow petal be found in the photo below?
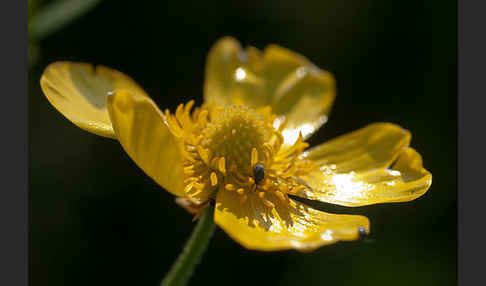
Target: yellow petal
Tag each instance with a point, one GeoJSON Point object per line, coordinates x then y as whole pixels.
{"type": "Point", "coordinates": [78, 91]}
{"type": "Point", "coordinates": [142, 130]}
{"type": "Point", "coordinates": [256, 225]}
{"type": "Point", "coordinates": [369, 166]}
{"type": "Point", "coordinates": [280, 78]}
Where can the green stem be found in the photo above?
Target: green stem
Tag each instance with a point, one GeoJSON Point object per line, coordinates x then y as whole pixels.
{"type": "Point", "coordinates": [56, 15]}
{"type": "Point", "coordinates": [190, 256]}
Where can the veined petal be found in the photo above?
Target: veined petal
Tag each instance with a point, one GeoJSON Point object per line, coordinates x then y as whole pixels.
{"type": "Point", "coordinates": [78, 91]}
{"type": "Point", "coordinates": [289, 225]}
{"type": "Point", "coordinates": [278, 77]}
{"type": "Point", "coordinates": [369, 166]}
{"type": "Point", "coordinates": [371, 147]}
{"type": "Point", "coordinates": [142, 130]}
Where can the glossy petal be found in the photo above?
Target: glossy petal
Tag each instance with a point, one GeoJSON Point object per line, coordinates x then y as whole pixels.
{"type": "Point", "coordinates": [369, 166]}
{"type": "Point", "coordinates": [78, 91]}
{"type": "Point", "coordinates": [142, 131]}
{"type": "Point", "coordinates": [290, 225]}
{"type": "Point", "coordinates": [285, 80]}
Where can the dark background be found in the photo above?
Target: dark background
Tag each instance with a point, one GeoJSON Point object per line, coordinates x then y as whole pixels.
{"type": "Point", "coordinates": [97, 219]}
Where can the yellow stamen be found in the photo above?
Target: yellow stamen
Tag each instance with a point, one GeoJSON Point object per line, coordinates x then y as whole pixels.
{"type": "Point", "coordinates": [190, 180]}
{"type": "Point", "coordinates": [179, 109]}
{"type": "Point", "coordinates": [199, 186]}
{"type": "Point", "coordinates": [203, 118]}
{"type": "Point", "coordinates": [214, 179]}
{"type": "Point", "coordinates": [189, 172]}
{"type": "Point", "coordinates": [196, 192]}
{"type": "Point", "coordinates": [240, 191]}
{"type": "Point", "coordinates": [254, 157]}
{"type": "Point", "coordinates": [298, 189]}
{"type": "Point", "coordinates": [189, 157]}
{"type": "Point", "coordinates": [268, 203]}
{"type": "Point", "coordinates": [222, 165]}
{"type": "Point", "coordinates": [230, 187]}
{"type": "Point", "coordinates": [204, 153]}
{"type": "Point", "coordinates": [188, 188]}
{"type": "Point", "coordinates": [280, 195]}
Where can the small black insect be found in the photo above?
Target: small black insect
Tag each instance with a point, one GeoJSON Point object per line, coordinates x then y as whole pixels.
{"type": "Point", "coordinates": [362, 232]}
{"type": "Point", "coordinates": [258, 174]}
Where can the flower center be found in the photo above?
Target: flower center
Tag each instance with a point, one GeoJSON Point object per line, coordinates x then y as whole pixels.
{"type": "Point", "coordinates": [234, 133]}
{"type": "Point", "coordinates": [236, 149]}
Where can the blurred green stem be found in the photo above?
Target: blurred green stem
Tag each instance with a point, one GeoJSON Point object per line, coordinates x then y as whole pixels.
{"type": "Point", "coordinates": [45, 20]}
{"type": "Point", "coordinates": [56, 15]}
{"type": "Point", "coordinates": [190, 256]}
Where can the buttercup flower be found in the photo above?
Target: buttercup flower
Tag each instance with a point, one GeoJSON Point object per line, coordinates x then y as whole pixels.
{"type": "Point", "coordinates": [244, 148]}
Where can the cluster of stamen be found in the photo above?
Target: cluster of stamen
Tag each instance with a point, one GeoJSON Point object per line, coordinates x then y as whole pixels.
{"type": "Point", "coordinates": [236, 149]}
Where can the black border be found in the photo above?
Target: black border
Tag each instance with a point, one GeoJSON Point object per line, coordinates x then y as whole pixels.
{"type": "Point", "coordinates": [471, 104]}
{"type": "Point", "coordinates": [13, 118]}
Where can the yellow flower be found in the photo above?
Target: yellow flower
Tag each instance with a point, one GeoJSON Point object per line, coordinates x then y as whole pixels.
{"type": "Point", "coordinates": [244, 148]}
